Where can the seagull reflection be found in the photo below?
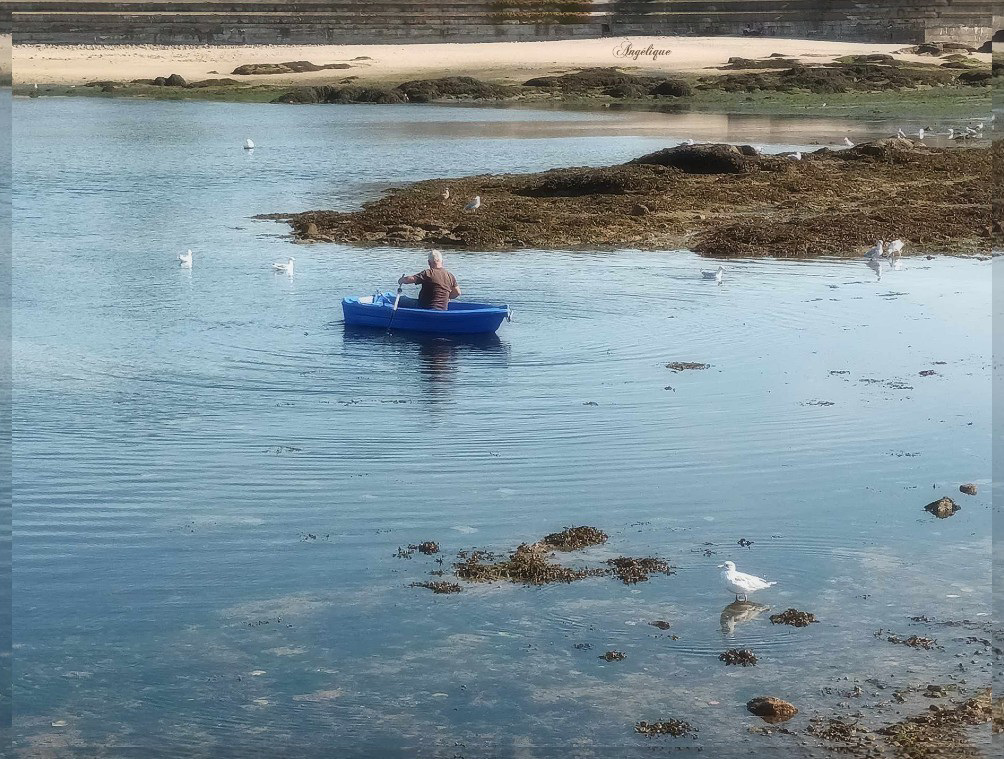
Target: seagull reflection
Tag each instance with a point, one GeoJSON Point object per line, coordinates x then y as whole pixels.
{"type": "Point", "coordinates": [739, 613]}
{"type": "Point", "coordinates": [875, 266]}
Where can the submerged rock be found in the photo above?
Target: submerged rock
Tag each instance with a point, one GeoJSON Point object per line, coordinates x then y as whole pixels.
{"type": "Point", "coordinates": [741, 657]}
{"type": "Point", "coordinates": [661, 624]}
{"type": "Point", "coordinates": [682, 366]}
{"type": "Point", "coordinates": [438, 586]}
{"type": "Point", "coordinates": [614, 656]}
{"type": "Point", "coordinates": [943, 508]}
{"type": "Point", "coordinates": [701, 159]}
{"type": "Point", "coordinates": [528, 564]}
{"type": "Point", "coordinates": [675, 727]}
{"type": "Point", "coordinates": [771, 709]}
{"type": "Point", "coordinates": [969, 489]}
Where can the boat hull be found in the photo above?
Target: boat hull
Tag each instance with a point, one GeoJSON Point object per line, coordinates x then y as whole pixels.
{"type": "Point", "coordinates": [459, 319]}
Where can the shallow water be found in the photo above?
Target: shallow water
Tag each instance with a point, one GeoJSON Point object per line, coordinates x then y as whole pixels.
{"type": "Point", "coordinates": [181, 434]}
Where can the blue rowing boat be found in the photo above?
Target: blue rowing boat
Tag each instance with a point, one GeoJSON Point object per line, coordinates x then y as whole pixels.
{"type": "Point", "coordinates": [460, 318]}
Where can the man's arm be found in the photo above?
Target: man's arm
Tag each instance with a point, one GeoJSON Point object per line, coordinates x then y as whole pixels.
{"type": "Point", "coordinates": [455, 292]}
{"type": "Point", "coordinates": [413, 280]}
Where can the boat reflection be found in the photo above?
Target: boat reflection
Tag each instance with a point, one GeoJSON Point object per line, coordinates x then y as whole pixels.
{"type": "Point", "coordinates": [739, 613]}
{"type": "Point", "coordinates": [439, 357]}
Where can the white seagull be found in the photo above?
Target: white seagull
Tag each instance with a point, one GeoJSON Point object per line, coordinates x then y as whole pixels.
{"type": "Point", "coordinates": [901, 134]}
{"type": "Point", "coordinates": [186, 258]}
{"type": "Point", "coordinates": [446, 194]}
{"type": "Point", "coordinates": [741, 583]}
{"type": "Point", "coordinates": [285, 268]}
{"type": "Point", "coordinates": [895, 248]}
{"type": "Point", "coordinates": [920, 133]}
{"type": "Point", "coordinates": [688, 141]}
{"type": "Point", "coordinates": [951, 133]}
{"type": "Point", "coordinates": [715, 275]}
{"type": "Point", "coordinates": [796, 156]}
{"type": "Point", "coordinates": [474, 205]}
{"type": "Point", "coordinates": [876, 251]}
{"type": "Point", "coordinates": [248, 145]}
{"type": "Point", "coordinates": [848, 143]}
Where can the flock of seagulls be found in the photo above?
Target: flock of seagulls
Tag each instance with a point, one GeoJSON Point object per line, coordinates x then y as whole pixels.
{"type": "Point", "coordinates": [185, 261]}
{"type": "Point", "coordinates": [882, 250]}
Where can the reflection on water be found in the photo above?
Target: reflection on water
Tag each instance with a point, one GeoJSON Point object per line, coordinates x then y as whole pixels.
{"type": "Point", "coordinates": [739, 613]}
{"type": "Point", "coordinates": [213, 476]}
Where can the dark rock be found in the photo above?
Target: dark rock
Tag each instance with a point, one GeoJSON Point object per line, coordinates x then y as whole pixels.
{"type": "Point", "coordinates": [614, 656]}
{"type": "Point", "coordinates": [661, 624]}
{"type": "Point", "coordinates": [175, 80]}
{"type": "Point", "coordinates": [336, 95]}
{"type": "Point", "coordinates": [969, 489]}
{"type": "Point", "coordinates": [741, 657]}
{"type": "Point", "coordinates": [748, 150]}
{"type": "Point", "coordinates": [701, 159]}
{"type": "Point", "coordinates": [640, 209]}
{"type": "Point", "coordinates": [771, 709]}
{"type": "Point", "coordinates": [288, 67]}
{"type": "Point", "coordinates": [943, 508]}
{"type": "Point", "coordinates": [429, 547]}
{"type": "Point", "coordinates": [976, 78]}
{"type": "Point", "coordinates": [160, 81]}
{"type": "Point", "coordinates": [628, 90]}
{"type": "Point", "coordinates": [455, 87]}
{"type": "Point", "coordinates": [675, 88]}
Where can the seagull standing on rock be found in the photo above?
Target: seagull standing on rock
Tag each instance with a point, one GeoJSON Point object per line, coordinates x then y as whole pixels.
{"type": "Point", "coordinates": [848, 142]}
{"type": "Point", "coordinates": [446, 194]}
{"type": "Point", "coordinates": [474, 205]}
{"type": "Point", "coordinates": [895, 248]}
{"type": "Point", "coordinates": [901, 134]}
{"type": "Point", "coordinates": [796, 156]}
{"type": "Point", "coordinates": [741, 583]}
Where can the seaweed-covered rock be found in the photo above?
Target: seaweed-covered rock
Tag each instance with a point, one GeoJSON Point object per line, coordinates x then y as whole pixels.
{"type": "Point", "coordinates": [675, 88]}
{"type": "Point", "coordinates": [977, 78]}
{"type": "Point", "coordinates": [588, 79]}
{"type": "Point", "coordinates": [771, 709]}
{"type": "Point", "coordinates": [457, 87]}
{"type": "Point", "coordinates": [741, 657]}
{"type": "Point", "coordinates": [630, 570]}
{"type": "Point", "coordinates": [675, 727]}
{"type": "Point", "coordinates": [793, 617]}
{"type": "Point", "coordinates": [629, 90]}
{"type": "Point", "coordinates": [287, 67]}
{"type": "Point", "coordinates": [438, 586]}
{"type": "Point", "coordinates": [969, 489]}
{"type": "Point", "coordinates": [701, 159]}
{"type": "Point", "coordinates": [943, 508]}
{"type": "Point", "coordinates": [175, 80]}
{"type": "Point", "coordinates": [336, 95]}
{"type": "Point", "coordinates": [573, 538]}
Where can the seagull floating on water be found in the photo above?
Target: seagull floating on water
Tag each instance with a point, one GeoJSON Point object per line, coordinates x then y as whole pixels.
{"type": "Point", "coordinates": [876, 251]}
{"type": "Point", "coordinates": [186, 258]}
{"type": "Point", "coordinates": [848, 142]}
{"type": "Point", "coordinates": [285, 268]}
{"type": "Point", "coordinates": [715, 275]}
{"type": "Point", "coordinates": [895, 247]}
{"type": "Point", "coordinates": [474, 205]}
{"type": "Point", "coordinates": [248, 144]}
{"type": "Point", "coordinates": [741, 583]}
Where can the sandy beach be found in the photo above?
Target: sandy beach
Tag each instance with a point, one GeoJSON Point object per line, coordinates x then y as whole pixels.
{"type": "Point", "coordinates": [496, 61]}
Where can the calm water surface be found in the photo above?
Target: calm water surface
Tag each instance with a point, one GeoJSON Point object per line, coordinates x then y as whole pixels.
{"type": "Point", "coordinates": [180, 436]}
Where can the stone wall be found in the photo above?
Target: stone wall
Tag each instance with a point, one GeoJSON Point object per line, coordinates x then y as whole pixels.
{"type": "Point", "coordinates": [375, 21]}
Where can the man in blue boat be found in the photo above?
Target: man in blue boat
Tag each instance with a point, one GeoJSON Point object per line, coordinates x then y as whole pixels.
{"type": "Point", "coordinates": [439, 287]}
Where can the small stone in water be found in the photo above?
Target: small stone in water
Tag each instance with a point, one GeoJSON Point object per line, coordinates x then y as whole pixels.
{"type": "Point", "coordinates": [613, 656]}
{"type": "Point", "coordinates": [943, 508]}
{"type": "Point", "coordinates": [969, 489]}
